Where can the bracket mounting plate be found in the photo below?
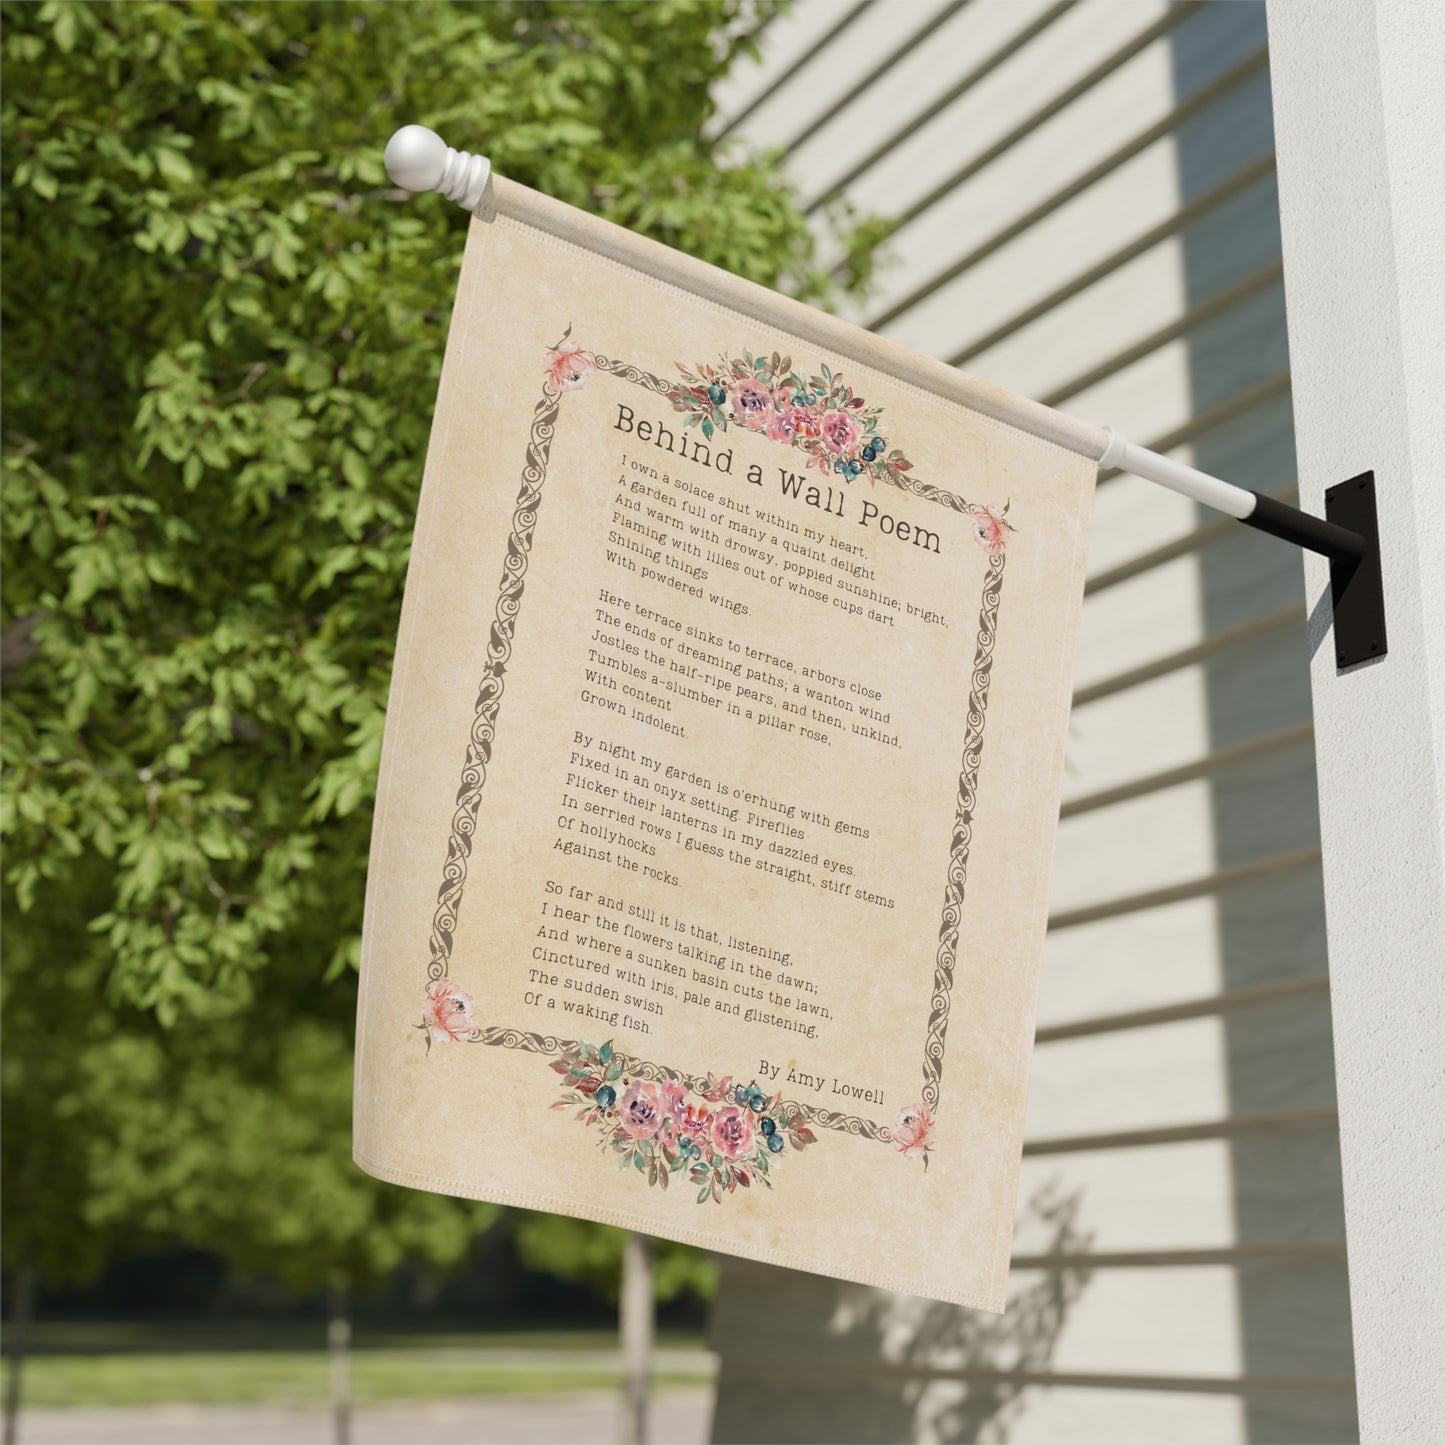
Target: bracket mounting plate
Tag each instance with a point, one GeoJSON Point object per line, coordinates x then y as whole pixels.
{"type": "Point", "coordinates": [1357, 588]}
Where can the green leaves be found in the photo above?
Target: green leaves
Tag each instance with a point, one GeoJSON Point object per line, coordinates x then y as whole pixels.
{"type": "Point", "coordinates": [223, 333]}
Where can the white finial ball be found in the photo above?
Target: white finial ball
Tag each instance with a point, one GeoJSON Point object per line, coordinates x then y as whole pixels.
{"type": "Point", "coordinates": [415, 158]}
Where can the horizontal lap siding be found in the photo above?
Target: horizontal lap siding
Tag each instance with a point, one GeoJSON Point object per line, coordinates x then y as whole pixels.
{"type": "Point", "coordinates": [1096, 226]}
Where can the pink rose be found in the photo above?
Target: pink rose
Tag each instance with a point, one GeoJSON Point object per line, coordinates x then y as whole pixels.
{"type": "Point", "coordinates": [732, 1132]}
{"type": "Point", "coordinates": [447, 1012]}
{"type": "Point", "coordinates": [674, 1099]}
{"type": "Point", "coordinates": [912, 1133]}
{"type": "Point", "coordinates": [752, 404]}
{"type": "Point", "coordinates": [840, 432]}
{"type": "Point", "coordinates": [640, 1110]}
{"type": "Point", "coordinates": [787, 425]}
{"type": "Point", "coordinates": [568, 366]}
{"type": "Point", "coordinates": [990, 529]}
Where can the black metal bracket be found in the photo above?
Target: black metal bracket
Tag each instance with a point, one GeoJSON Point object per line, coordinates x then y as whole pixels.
{"type": "Point", "coordinates": [1357, 590]}
{"type": "Point", "coordinates": [1349, 535]}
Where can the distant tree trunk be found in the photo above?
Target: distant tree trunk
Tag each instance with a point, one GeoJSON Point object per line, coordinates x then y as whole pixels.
{"type": "Point", "coordinates": [22, 1306]}
{"type": "Point", "coordinates": [635, 1323]}
{"type": "Point", "coordinates": [338, 1344]}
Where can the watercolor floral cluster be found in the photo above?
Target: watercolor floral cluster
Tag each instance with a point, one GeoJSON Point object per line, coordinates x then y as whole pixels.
{"type": "Point", "coordinates": [836, 429]}
{"type": "Point", "coordinates": [719, 1138]}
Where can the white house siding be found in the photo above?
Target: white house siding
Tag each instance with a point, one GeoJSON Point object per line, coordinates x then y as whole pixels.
{"type": "Point", "coordinates": [1092, 220]}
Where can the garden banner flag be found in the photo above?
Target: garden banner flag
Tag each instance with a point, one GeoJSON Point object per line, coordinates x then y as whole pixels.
{"type": "Point", "coordinates": [721, 773]}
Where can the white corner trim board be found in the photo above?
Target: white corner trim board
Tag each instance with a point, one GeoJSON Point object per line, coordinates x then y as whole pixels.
{"type": "Point", "coordinates": [1358, 117]}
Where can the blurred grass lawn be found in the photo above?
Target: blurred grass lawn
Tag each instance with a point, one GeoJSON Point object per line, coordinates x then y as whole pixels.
{"type": "Point", "coordinates": [67, 1368]}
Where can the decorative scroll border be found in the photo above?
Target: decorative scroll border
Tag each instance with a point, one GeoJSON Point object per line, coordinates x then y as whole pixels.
{"type": "Point", "coordinates": [493, 684]}
{"type": "Point", "coordinates": [483, 733]}
{"type": "Point", "coordinates": [962, 834]}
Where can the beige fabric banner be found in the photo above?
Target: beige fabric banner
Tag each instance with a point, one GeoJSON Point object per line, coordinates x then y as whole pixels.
{"type": "Point", "coordinates": [717, 803]}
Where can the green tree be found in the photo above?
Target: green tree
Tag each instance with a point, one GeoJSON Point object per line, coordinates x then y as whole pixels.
{"type": "Point", "coordinates": [222, 331]}
{"type": "Point", "coordinates": [232, 1138]}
